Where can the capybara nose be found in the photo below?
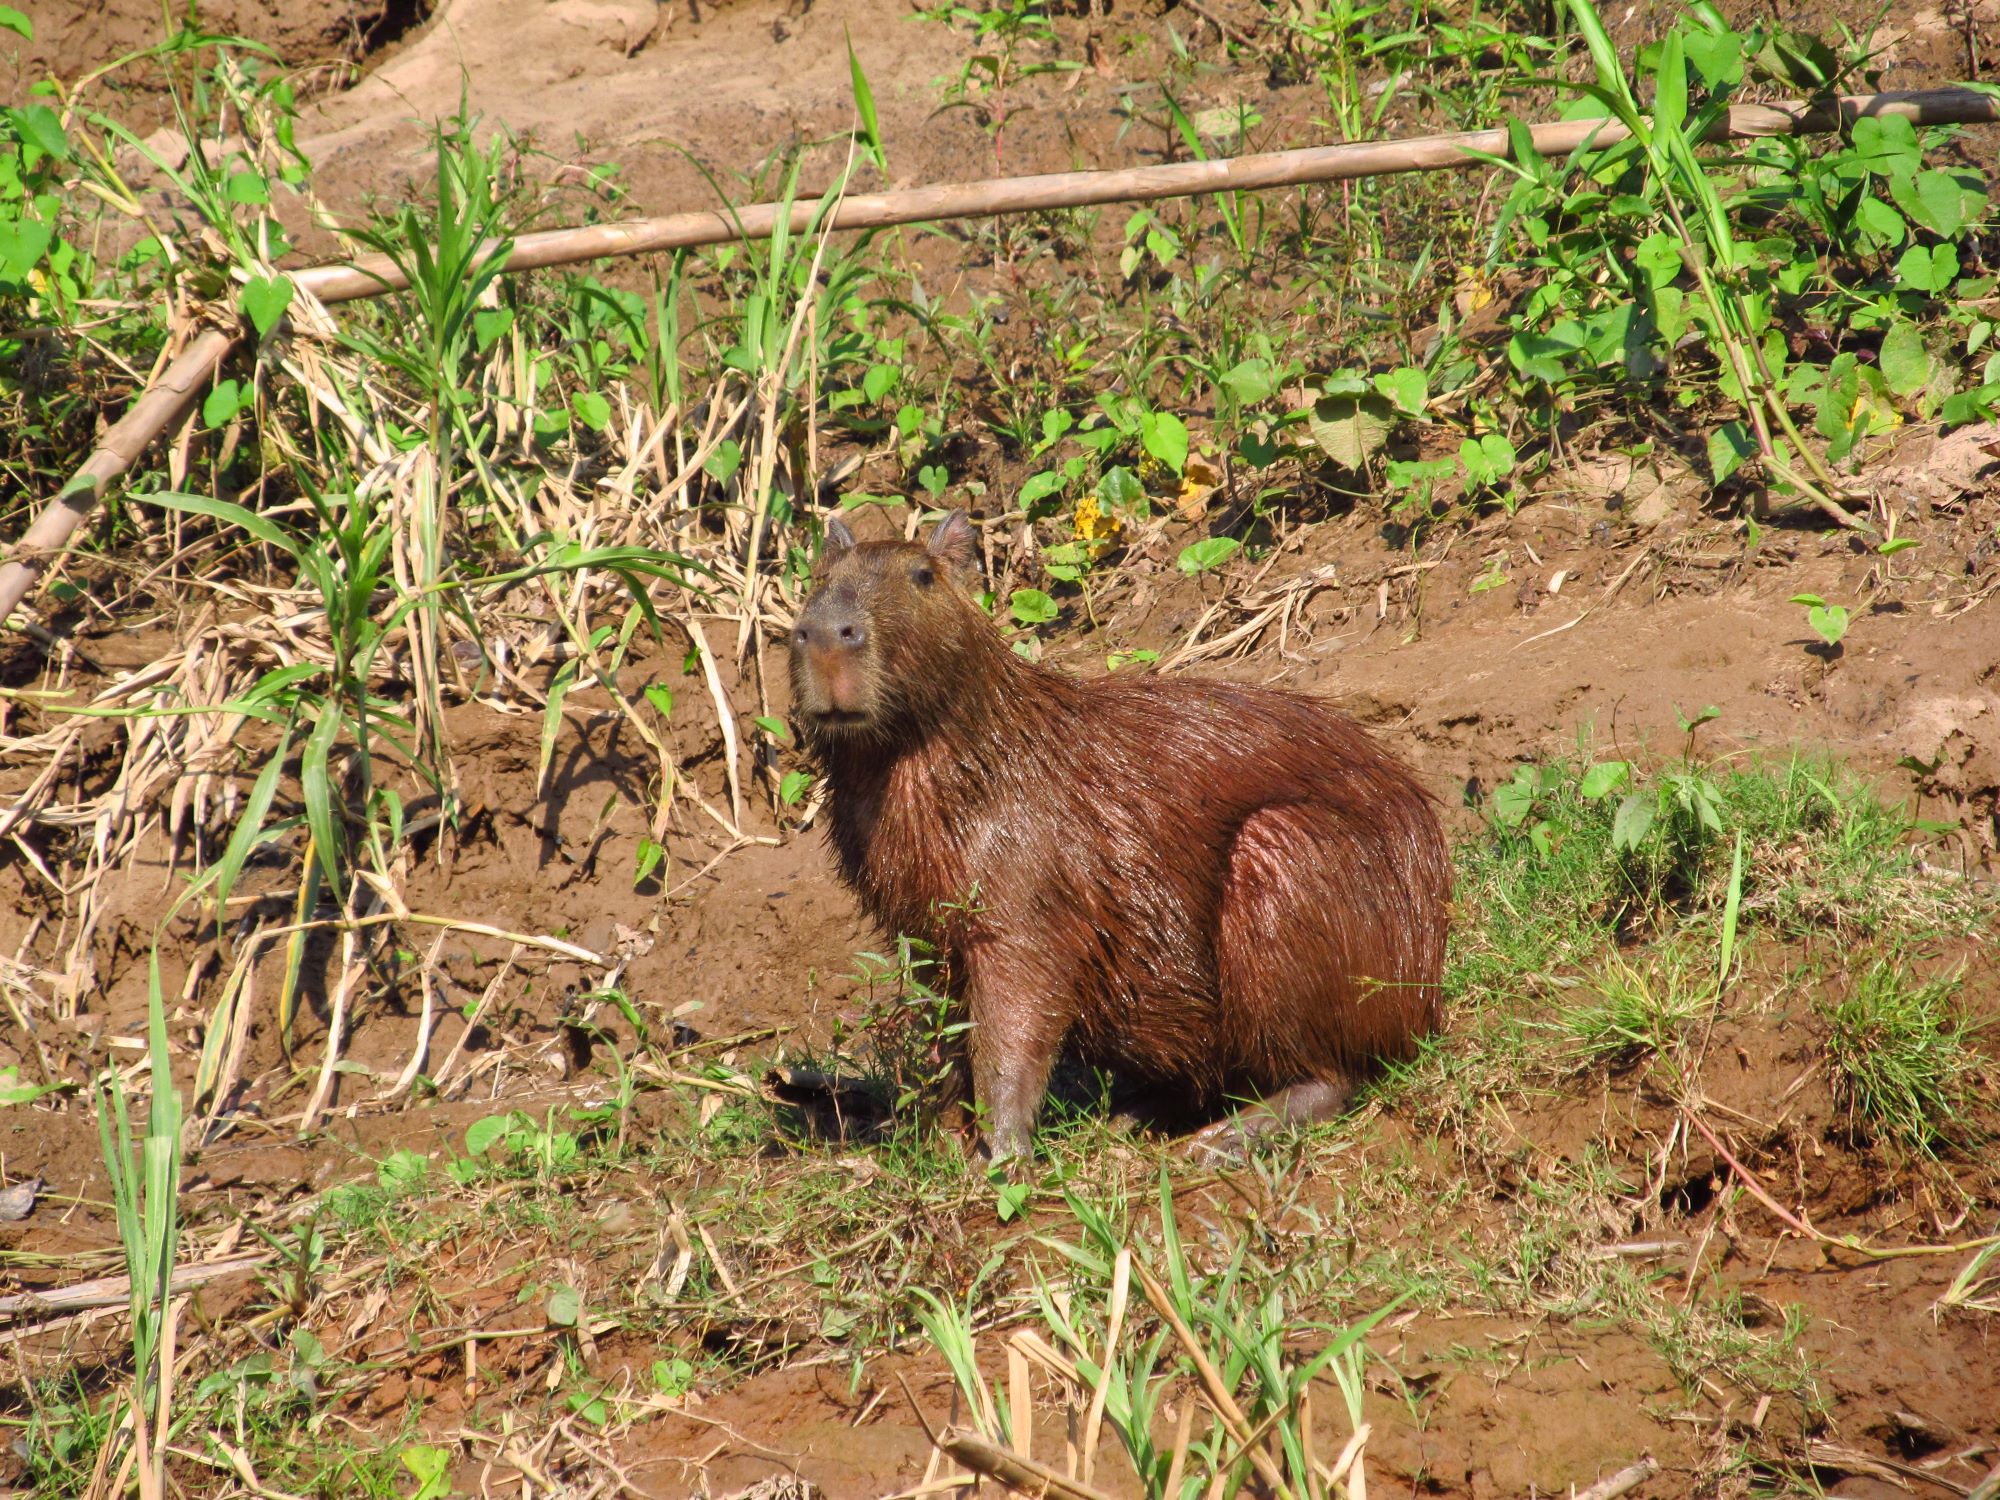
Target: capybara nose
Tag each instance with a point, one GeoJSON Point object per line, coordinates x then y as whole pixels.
{"type": "Point", "coordinates": [833, 630]}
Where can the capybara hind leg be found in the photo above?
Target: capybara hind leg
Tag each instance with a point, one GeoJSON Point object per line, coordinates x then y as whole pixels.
{"type": "Point", "coordinates": [1305, 1103]}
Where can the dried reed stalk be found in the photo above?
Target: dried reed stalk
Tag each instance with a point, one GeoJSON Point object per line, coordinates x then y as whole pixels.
{"type": "Point", "coordinates": [172, 395]}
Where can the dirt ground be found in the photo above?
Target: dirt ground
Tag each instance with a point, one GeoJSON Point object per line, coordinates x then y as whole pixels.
{"type": "Point", "coordinates": [1624, 604]}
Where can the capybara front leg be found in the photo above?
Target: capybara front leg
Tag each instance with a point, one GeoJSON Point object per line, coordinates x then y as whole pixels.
{"type": "Point", "coordinates": [1304, 1103]}
{"type": "Point", "coordinates": [1014, 1042]}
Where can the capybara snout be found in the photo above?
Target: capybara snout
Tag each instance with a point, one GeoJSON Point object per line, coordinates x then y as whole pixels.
{"type": "Point", "coordinates": [1223, 889]}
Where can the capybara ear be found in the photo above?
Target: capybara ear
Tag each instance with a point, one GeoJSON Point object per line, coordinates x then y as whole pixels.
{"type": "Point", "coordinates": [956, 543]}
{"type": "Point", "coordinates": [838, 539]}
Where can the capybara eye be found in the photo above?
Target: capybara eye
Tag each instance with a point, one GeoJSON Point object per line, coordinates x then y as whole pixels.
{"type": "Point", "coordinates": [799, 635]}
{"type": "Point", "coordinates": [923, 577]}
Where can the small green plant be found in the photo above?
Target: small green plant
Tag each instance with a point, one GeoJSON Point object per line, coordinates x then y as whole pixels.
{"type": "Point", "coordinates": [1828, 621]}
{"type": "Point", "coordinates": [1007, 34]}
{"type": "Point", "coordinates": [145, 1198]}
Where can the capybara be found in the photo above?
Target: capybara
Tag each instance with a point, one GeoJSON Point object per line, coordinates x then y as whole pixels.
{"type": "Point", "coordinates": [1219, 889]}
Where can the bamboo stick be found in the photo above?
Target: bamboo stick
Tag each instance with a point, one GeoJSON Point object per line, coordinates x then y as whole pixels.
{"type": "Point", "coordinates": [166, 403]}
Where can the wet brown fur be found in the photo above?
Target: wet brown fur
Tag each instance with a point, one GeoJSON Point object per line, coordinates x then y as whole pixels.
{"type": "Point", "coordinates": [1222, 888]}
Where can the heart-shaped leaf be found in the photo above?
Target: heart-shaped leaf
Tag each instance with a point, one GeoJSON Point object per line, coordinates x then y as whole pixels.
{"type": "Point", "coordinates": [264, 300]}
{"type": "Point", "coordinates": [1829, 622]}
{"type": "Point", "coordinates": [223, 403]}
{"type": "Point", "coordinates": [22, 244]}
{"type": "Point", "coordinates": [1349, 429]}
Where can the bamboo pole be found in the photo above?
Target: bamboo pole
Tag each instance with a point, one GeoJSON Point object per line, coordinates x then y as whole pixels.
{"type": "Point", "coordinates": [166, 403]}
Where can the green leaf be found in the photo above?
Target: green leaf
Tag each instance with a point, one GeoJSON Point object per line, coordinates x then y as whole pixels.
{"type": "Point", "coordinates": [1208, 553]}
{"type": "Point", "coordinates": [1896, 544]}
{"type": "Point", "coordinates": [264, 300]}
{"type": "Point", "coordinates": [402, 1170]}
{"type": "Point", "coordinates": [565, 1307]}
{"type": "Point", "coordinates": [1728, 446]}
{"type": "Point", "coordinates": [1120, 488]}
{"type": "Point", "coordinates": [1406, 387]}
{"type": "Point", "coordinates": [222, 404]}
{"type": "Point", "coordinates": [1659, 256]}
{"type": "Point", "coordinates": [1829, 622]}
{"type": "Point", "coordinates": [1488, 459]}
{"type": "Point", "coordinates": [864, 109]}
{"type": "Point", "coordinates": [775, 727]}
{"type": "Point", "coordinates": [1011, 1198]}
{"type": "Point", "coordinates": [1165, 436]}
{"type": "Point", "coordinates": [432, 1469]}
{"type": "Point", "coordinates": [490, 324]}
{"type": "Point", "coordinates": [662, 699]}
{"type": "Point", "coordinates": [1513, 800]}
{"type": "Point", "coordinates": [1928, 269]}
{"type": "Point", "coordinates": [1633, 821]}
{"type": "Point", "coordinates": [1670, 87]}
{"type": "Point", "coordinates": [592, 409]}
{"type": "Point", "coordinates": [1717, 56]}
{"type": "Point", "coordinates": [1690, 725]}
{"type": "Point", "coordinates": [647, 860]}
{"type": "Point", "coordinates": [250, 825]}
{"type": "Point", "coordinates": [879, 381]}
{"type": "Point", "coordinates": [559, 686]}
{"type": "Point", "coordinates": [1805, 599]}
{"type": "Point", "coordinates": [1249, 381]}
{"type": "Point", "coordinates": [268, 532]}
{"type": "Point", "coordinates": [723, 463]}
{"type": "Point", "coordinates": [1604, 778]}
{"type": "Point", "coordinates": [1032, 607]}
{"type": "Point", "coordinates": [316, 780]}
{"type": "Point", "coordinates": [13, 1091]}
{"type": "Point", "coordinates": [1350, 429]}
{"type": "Point", "coordinates": [672, 1377]}
{"type": "Point", "coordinates": [935, 478]}
{"type": "Point", "coordinates": [23, 242]}
{"type": "Point", "coordinates": [1040, 486]}
{"type": "Point", "coordinates": [12, 20]}
{"type": "Point", "coordinates": [1932, 199]}
{"type": "Point", "coordinates": [1905, 363]}
{"type": "Point", "coordinates": [247, 188]}
{"type": "Point", "coordinates": [481, 1135]}
{"type": "Point", "coordinates": [793, 787]}
{"type": "Point", "coordinates": [41, 126]}
{"type": "Point", "coordinates": [1800, 60]}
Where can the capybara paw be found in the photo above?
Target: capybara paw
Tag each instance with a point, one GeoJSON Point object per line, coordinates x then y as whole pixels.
{"type": "Point", "coordinates": [1223, 1144]}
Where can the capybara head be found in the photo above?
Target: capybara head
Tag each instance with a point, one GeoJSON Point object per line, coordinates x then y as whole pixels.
{"type": "Point", "coordinates": [887, 625]}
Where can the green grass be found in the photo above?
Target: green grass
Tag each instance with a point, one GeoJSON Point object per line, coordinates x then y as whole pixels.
{"type": "Point", "coordinates": [1904, 1058]}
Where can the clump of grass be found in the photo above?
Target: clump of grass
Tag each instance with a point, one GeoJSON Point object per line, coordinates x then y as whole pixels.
{"type": "Point", "coordinates": [1642, 1010]}
{"type": "Point", "coordinates": [1902, 1059]}
{"type": "Point", "coordinates": [1579, 853]}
